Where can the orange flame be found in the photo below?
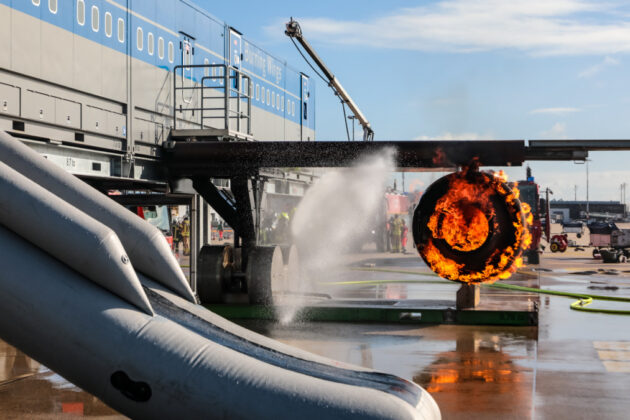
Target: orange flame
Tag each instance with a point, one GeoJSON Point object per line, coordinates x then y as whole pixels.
{"type": "Point", "coordinates": [464, 219]}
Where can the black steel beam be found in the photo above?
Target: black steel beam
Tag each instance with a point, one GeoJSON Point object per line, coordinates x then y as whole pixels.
{"type": "Point", "coordinates": [571, 149]}
{"type": "Point", "coordinates": [230, 158]}
{"type": "Point", "coordinates": [152, 199]}
{"type": "Point", "coordinates": [217, 201]}
{"type": "Point", "coordinates": [246, 213]}
{"type": "Point", "coordinates": [116, 183]}
{"type": "Point", "coordinates": [225, 159]}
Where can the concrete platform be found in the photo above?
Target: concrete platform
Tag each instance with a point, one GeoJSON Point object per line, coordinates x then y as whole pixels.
{"type": "Point", "coordinates": [491, 312]}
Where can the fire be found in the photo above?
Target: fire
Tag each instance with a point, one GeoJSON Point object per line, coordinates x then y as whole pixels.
{"type": "Point", "coordinates": [477, 228]}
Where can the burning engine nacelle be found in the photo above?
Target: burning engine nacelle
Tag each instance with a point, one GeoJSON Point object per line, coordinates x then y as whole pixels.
{"type": "Point", "coordinates": [470, 227]}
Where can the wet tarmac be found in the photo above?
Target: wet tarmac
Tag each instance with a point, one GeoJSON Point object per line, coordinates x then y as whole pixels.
{"type": "Point", "coordinates": [574, 364]}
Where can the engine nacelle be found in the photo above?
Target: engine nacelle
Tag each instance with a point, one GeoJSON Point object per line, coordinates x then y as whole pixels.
{"type": "Point", "coordinates": [470, 227]}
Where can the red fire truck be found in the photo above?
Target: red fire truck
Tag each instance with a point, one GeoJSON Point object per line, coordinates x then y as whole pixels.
{"type": "Point", "coordinates": [530, 194]}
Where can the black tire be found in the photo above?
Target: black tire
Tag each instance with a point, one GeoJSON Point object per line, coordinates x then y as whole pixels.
{"type": "Point", "coordinates": [264, 274]}
{"type": "Point", "coordinates": [475, 261]}
{"type": "Point", "coordinates": [212, 274]}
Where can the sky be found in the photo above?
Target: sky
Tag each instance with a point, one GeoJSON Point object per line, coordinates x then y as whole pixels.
{"type": "Point", "coordinates": [468, 69]}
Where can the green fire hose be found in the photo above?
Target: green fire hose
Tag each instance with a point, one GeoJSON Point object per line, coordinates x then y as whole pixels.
{"type": "Point", "coordinates": [580, 305]}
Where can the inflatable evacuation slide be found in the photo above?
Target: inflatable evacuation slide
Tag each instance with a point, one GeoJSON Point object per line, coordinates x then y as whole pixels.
{"type": "Point", "coordinates": [93, 292]}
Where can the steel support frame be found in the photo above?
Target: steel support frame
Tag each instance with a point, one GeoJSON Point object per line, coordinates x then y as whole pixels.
{"type": "Point", "coordinates": [243, 214]}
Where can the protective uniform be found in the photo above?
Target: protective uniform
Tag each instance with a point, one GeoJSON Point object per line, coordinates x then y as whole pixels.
{"type": "Point", "coordinates": [396, 234]}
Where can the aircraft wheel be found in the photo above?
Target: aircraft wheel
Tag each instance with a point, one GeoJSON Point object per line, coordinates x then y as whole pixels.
{"type": "Point", "coordinates": [216, 264]}
{"type": "Point", "coordinates": [622, 258]}
{"type": "Point", "coordinates": [265, 274]}
{"type": "Point", "coordinates": [554, 247]}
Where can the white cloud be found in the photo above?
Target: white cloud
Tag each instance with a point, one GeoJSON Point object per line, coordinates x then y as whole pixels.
{"type": "Point", "coordinates": [539, 27]}
{"type": "Point", "coordinates": [594, 69]}
{"type": "Point", "coordinates": [555, 111]}
{"type": "Point", "coordinates": [453, 136]}
{"type": "Point", "coordinates": [558, 131]}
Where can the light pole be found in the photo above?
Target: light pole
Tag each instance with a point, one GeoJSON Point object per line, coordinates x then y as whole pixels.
{"type": "Point", "coordinates": [587, 200]}
{"type": "Point", "coordinates": [586, 161]}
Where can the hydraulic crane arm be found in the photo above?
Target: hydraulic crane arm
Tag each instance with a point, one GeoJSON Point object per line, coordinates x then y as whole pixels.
{"type": "Point", "coordinates": [294, 31]}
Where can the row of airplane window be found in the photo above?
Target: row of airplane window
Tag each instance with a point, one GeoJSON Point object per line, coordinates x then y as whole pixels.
{"type": "Point", "coordinates": [263, 95]}
{"type": "Point", "coordinates": [272, 99]}
{"type": "Point", "coordinates": [95, 23]}
{"type": "Point", "coordinates": [151, 45]}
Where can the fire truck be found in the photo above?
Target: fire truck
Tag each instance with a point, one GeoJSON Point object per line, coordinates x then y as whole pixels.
{"type": "Point", "coordinates": [394, 203]}
{"type": "Point", "coordinates": [530, 194]}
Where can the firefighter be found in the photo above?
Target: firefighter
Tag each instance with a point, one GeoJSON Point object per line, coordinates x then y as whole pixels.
{"type": "Point", "coordinates": [397, 227]}
{"type": "Point", "coordinates": [177, 236]}
{"type": "Point", "coordinates": [403, 239]}
{"type": "Point", "coordinates": [282, 228]}
{"type": "Point", "coordinates": [220, 229]}
{"type": "Point", "coordinates": [388, 233]}
{"type": "Point", "coordinates": [186, 236]}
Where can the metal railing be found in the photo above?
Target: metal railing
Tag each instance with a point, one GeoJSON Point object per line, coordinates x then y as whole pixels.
{"type": "Point", "coordinates": [223, 93]}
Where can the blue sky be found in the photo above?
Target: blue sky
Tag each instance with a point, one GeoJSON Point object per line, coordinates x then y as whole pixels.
{"type": "Point", "coordinates": [468, 69]}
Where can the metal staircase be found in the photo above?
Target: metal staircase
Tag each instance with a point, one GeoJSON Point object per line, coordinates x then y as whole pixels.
{"type": "Point", "coordinates": [211, 101]}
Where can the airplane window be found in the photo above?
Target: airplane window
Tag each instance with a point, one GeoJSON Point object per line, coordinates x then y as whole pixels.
{"type": "Point", "coordinates": [150, 45]}
{"type": "Point", "coordinates": [293, 108]}
{"type": "Point", "coordinates": [171, 52]}
{"type": "Point", "coordinates": [52, 5]}
{"type": "Point", "coordinates": [262, 94]}
{"type": "Point", "coordinates": [121, 30]}
{"type": "Point", "coordinates": [80, 12]}
{"type": "Point", "coordinates": [273, 100]}
{"type": "Point", "coordinates": [161, 48]}
{"type": "Point", "coordinates": [257, 92]}
{"type": "Point", "coordinates": [108, 24]}
{"type": "Point", "coordinates": [268, 96]}
{"type": "Point", "coordinates": [140, 39]}
{"type": "Point", "coordinates": [277, 100]}
{"type": "Point", "coordinates": [95, 18]}
{"type": "Point", "coordinates": [206, 70]}
{"type": "Point", "coordinates": [36, 3]}
{"type": "Point", "coordinates": [282, 102]}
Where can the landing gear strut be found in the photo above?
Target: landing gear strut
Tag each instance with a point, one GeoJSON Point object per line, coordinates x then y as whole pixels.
{"type": "Point", "coordinates": [265, 279]}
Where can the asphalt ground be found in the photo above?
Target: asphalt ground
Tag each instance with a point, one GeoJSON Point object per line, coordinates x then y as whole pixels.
{"type": "Point", "coordinates": [573, 365]}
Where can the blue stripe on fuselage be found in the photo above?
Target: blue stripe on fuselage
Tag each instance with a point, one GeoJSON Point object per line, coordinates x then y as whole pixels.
{"type": "Point", "coordinates": [174, 15]}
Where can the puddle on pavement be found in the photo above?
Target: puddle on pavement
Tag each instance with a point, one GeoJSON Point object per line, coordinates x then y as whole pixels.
{"type": "Point", "coordinates": [469, 370]}
{"type": "Point", "coordinates": [29, 389]}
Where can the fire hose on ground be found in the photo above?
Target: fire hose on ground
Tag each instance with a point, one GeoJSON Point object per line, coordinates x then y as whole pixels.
{"type": "Point", "coordinates": [584, 300]}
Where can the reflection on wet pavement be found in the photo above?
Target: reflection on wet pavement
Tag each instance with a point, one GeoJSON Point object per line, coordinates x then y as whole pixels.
{"type": "Point", "coordinates": [477, 378]}
{"type": "Point", "coordinates": [30, 390]}
{"type": "Point", "coordinates": [472, 372]}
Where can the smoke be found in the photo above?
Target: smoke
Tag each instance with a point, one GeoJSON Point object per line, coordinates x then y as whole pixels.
{"type": "Point", "coordinates": [333, 215]}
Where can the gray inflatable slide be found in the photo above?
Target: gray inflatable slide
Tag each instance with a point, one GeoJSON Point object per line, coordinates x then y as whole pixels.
{"type": "Point", "coordinates": [93, 292]}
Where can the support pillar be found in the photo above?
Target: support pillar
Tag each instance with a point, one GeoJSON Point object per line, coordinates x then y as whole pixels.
{"type": "Point", "coordinates": [468, 296]}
